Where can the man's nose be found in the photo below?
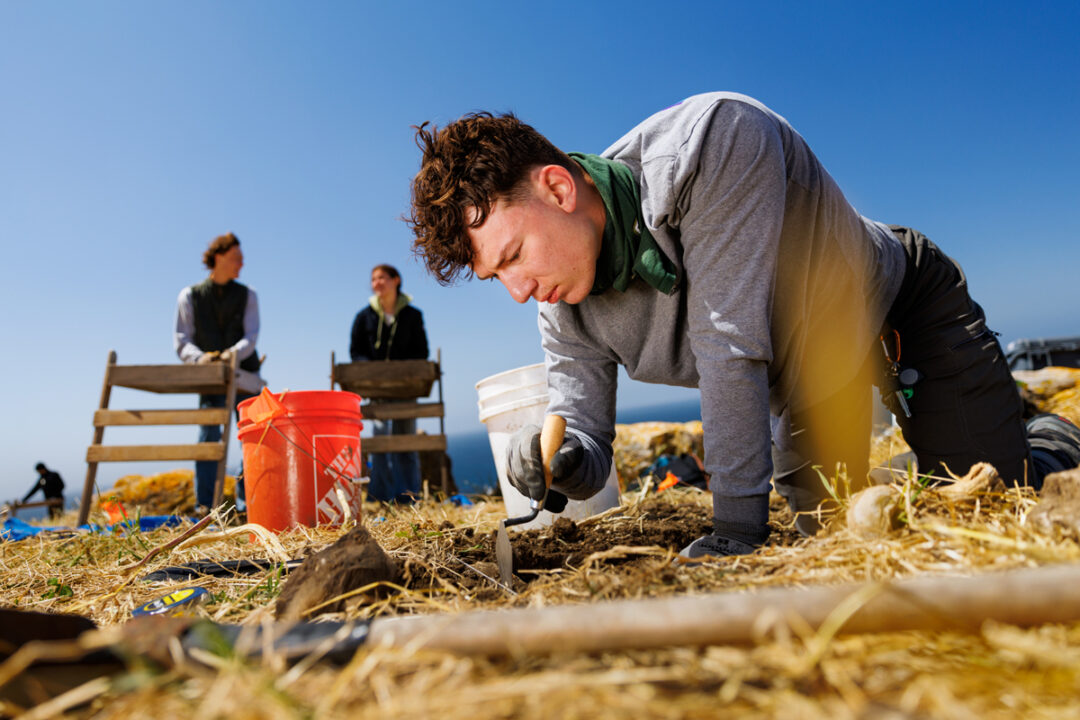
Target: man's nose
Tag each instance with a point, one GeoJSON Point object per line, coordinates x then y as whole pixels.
{"type": "Point", "coordinates": [520, 288]}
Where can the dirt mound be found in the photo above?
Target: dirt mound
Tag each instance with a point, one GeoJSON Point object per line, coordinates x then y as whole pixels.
{"type": "Point", "coordinates": [355, 561]}
{"type": "Point", "coordinates": [567, 544]}
{"type": "Point", "coordinates": [465, 559]}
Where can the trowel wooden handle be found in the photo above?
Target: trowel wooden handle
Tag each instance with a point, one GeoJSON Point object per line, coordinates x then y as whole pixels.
{"type": "Point", "coordinates": [551, 438]}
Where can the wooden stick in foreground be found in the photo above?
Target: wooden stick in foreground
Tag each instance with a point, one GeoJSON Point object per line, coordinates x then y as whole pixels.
{"type": "Point", "coordinates": [1030, 596]}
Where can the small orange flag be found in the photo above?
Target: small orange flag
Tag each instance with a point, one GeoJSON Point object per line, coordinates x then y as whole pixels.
{"type": "Point", "coordinates": [114, 509]}
{"type": "Point", "coordinates": [670, 481]}
{"type": "Point", "coordinates": [266, 407]}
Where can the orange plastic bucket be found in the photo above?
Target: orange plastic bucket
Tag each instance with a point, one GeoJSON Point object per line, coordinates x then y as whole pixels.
{"type": "Point", "coordinates": [301, 457]}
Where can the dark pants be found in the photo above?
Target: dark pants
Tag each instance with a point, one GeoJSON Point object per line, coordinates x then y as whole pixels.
{"type": "Point", "coordinates": [206, 470]}
{"type": "Point", "coordinates": [965, 408]}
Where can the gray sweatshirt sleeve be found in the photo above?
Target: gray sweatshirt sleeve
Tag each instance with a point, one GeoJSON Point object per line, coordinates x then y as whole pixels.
{"type": "Point", "coordinates": [581, 388]}
{"type": "Point", "coordinates": [730, 235]}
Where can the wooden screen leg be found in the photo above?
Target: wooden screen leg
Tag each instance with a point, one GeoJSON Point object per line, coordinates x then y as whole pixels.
{"type": "Point", "coordinates": [99, 434]}
{"type": "Point", "coordinates": [230, 402]}
{"type": "Point", "coordinates": [219, 481]}
{"type": "Point", "coordinates": [88, 492]}
{"type": "Point", "coordinates": [445, 476]}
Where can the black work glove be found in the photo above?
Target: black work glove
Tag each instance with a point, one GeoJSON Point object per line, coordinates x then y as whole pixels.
{"type": "Point", "coordinates": [525, 468]}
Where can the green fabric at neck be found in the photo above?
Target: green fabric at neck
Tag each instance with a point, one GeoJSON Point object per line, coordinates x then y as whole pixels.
{"type": "Point", "coordinates": [627, 249]}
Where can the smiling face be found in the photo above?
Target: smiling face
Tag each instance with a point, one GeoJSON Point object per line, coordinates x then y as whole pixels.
{"type": "Point", "coordinates": [384, 286]}
{"type": "Point", "coordinates": [543, 246]}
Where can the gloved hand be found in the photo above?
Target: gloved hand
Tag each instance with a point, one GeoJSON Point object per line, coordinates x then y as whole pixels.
{"type": "Point", "coordinates": [525, 468]}
{"type": "Point", "coordinates": [208, 357]}
{"type": "Point", "coordinates": [555, 502]}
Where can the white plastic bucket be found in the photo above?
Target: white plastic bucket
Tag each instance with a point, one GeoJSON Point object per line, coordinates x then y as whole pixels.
{"type": "Point", "coordinates": [503, 419]}
{"type": "Point", "coordinates": [512, 380]}
{"type": "Point", "coordinates": [509, 395]}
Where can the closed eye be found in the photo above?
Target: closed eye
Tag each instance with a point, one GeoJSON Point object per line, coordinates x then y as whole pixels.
{"type": "Point", "coordinates": [512, 259]}
{"type": "Point", "coordinates": [503, 262]}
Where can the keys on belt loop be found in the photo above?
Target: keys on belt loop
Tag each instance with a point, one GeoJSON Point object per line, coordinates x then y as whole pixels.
{"type": "Point", "coordinates": [905, 377]}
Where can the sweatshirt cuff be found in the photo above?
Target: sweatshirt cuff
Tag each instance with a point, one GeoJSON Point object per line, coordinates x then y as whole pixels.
{"type": "Point", "coordinates": [577, 487]}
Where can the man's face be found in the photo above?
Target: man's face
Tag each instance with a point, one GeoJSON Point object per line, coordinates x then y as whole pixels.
{"type": "Point", "coordinates": [228, 263]}
{"type": "Point", "coordinates": [537, 247]}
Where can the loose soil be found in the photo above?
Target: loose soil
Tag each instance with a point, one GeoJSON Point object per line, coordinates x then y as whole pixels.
{"type": "Point", "coordinates": [566, 544]}
{"type": "Point", "coordinates": [625, 542]}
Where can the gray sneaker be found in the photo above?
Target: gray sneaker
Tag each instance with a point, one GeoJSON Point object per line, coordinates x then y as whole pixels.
{"type": "Point", "coordinates": [708, 546]}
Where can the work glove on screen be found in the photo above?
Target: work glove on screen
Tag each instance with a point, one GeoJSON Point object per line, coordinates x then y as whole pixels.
{"type": "Point", "coordinates": [525, 467]}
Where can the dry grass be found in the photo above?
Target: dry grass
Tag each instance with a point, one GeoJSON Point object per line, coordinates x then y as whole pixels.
{"type": "Point", "coordinates": [788, 672]}
{"type": "Point", "coordinates": [1002, 672]}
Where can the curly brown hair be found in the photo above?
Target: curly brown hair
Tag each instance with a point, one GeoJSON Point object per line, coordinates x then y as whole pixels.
{"type": "Point", "coordinates": [220, 244]}
{"type": "Point", "coordinates": [470, 163]}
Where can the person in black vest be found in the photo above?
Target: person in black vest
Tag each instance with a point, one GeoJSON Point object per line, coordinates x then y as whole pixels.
{"type": "Point", "coordinates": [50, 483]}
{"type": "Point", "coordinates": [215, 320]}
{"type": "Point", "coordinates": [389, 328]}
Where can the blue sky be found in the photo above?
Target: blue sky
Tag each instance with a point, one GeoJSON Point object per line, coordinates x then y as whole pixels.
{"type": "Point", "coordinates": [134, 132]}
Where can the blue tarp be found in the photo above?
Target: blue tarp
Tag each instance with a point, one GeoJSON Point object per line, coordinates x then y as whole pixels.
{"type": "Point", "coordinates": [16, 529]}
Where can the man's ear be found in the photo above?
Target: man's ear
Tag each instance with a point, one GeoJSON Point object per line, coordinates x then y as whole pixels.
{"type": "Point", "coordinates": [559, 187]}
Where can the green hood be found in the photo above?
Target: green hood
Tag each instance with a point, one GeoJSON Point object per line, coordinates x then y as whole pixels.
{"type": "Point", "coordinates": [402, 301]}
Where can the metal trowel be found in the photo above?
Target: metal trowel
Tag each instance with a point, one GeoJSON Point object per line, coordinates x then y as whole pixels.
{"type": "Point", "coordinates": [551, 437]}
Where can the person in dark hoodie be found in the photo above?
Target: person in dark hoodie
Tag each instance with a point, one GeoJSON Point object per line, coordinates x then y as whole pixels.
{"type": "Point", "coordinates": [389, 328]}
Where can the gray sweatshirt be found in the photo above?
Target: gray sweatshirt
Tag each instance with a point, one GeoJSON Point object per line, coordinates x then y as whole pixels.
{"type": "Point", "coordinates": [782, 289]}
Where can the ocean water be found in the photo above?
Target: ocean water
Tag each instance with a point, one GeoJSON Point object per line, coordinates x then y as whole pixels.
{"type": "Point", "coordinates": [474, 468]}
